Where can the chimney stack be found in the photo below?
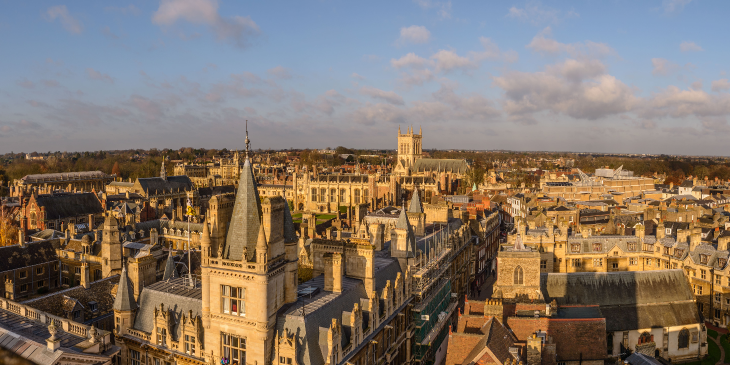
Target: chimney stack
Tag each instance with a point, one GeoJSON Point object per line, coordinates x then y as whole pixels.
{"type": "Point", "coordinates": [333, 272]}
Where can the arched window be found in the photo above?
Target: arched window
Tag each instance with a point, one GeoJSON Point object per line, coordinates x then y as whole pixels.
{"type": "Point", "coordinates": [683, 339]}
{"type": "Point", "coordinates": [314, 195]}
{"type": "Point", "coordinates": [32, 220]}
{"type": "Point", "coordinates": [333, 195]}
{"type": "Point", "coordinates": [343, 196]}
{"type": "Point", "coordinates": [322, 195]}
{"type": "Point", "coordinates": [519, 276]}
{"type": "Point", "coordinates": [365, 197]}
{"type": "Point", "coordinates": [357, 196]}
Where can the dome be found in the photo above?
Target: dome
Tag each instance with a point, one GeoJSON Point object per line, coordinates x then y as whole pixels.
{"type": "Point", "coordinates": [86, 240]}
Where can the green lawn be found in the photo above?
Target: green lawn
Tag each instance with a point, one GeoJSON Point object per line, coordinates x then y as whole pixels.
{"type": "Point", "coordinates": [326, 217]}
{"type": "Point", "coordinates": [712, 333]}
{"type": "Point", "coordinates": [713, 355]}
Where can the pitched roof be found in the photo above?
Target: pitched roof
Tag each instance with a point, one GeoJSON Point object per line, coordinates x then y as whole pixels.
{"type": "Point", "coordinates": [160, 185]}
{"type": "Point", "coordinates": [435, 164]}
{"type": "Point", "coordinates": [59, 206]}
{"type": "Point", "coordinates": [415, 206]}
{"type": "Point", "coordinates": [170, 270]}
{"type": "Point", "coordinates": [32, 253]}
{"type": "Point", "coordinates": [177, 296]}
{"type": "Point", "coordinates": [244, 227]}
{"type": "Point", "coordinates": [124, 300]}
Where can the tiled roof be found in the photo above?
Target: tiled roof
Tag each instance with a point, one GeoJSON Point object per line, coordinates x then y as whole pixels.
{"type": "Point", "coordinates": [244, 227]}
{"type": "Point", "coordinates": [60, 206]}
{"type": "Point", "coordinates": [32, 253]}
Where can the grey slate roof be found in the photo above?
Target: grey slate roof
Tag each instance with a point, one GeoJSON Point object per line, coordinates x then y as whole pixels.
{"type": "Point", "coordinates": [170, 270]}
{"type": "Point", "coordinates": [33, 253]}
{"type": "Point", "coordinates": [60, 206]}
{"type": "Point", "coordinates": [176, 296]}
{"type": "Point", "coordinates": [244, 227]}
{"type": "Point", "coordinates": [415, 206]}
{"type": "Point", "coordinates": [434, 164]}
{"type": "Point", "coordinates": [158, 185]}
{"type": "Point", "coordinates": [124, 300]}
{"type": "Point", "coordinates": [65, 176]}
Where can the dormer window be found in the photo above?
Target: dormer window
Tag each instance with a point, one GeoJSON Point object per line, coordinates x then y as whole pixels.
{"type": "Point", "coordinates": [678, 252]}
{"type": "Point", "coordinates": [632, 247]}
{"type": "Point", "coordinates": [161, 336]}
{"type": "Point", "coordinates": [596, 247]}
{"type": "Point", "coordinates": [721, 262]}
{"type": "Point", "coordinates": [703, 259]}
{"type": "Point", "coordinates": [668, 231]}
{"type": "Point", "coordinates": [575, 248]}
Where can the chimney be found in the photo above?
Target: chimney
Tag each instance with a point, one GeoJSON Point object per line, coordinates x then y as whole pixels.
{"type": "Point", "coordinates": [333, 272]}
{"type": "Point", "coordinates": [21, 238]}
{"type": "Point", "coordinates": [695, 239]}
{"type": "Point", "coordinates": [534, 350]}
{"type": "Point", "coordinates": [85, 275]}
{"type": "Point", "coordinates": [91, 222]}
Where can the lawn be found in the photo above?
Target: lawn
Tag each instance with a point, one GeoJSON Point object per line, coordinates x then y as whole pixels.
{"type": "Point", "coordinates": [713, 355]}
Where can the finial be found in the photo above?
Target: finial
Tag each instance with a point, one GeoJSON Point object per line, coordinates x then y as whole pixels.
{"type": "Point", "coordinates": [247, 140]}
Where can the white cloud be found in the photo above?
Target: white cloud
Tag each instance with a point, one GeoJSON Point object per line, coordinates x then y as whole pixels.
{"type": "Point", "coordinates": [387, 96]}
{"type": "Point", "coordinates": [662, 67]}
{"type": "Point", "coordinates": [68, 22]}
{"type": "Point", "coordinates": [279, 72]}
{"type": "Point", "coordinates": [96, 75]}
{"type": "Point", "coordinates": [687, 46]}
{"type": "Point", "coordinates": [205, 12]}
{"type": "Point", "coordinates": [720, 85]}
{"type": "Point", "coordinates": [409, 60]}
{"type": "Point", "coordinates": [579, 89]}
{"type": "Point", "coordinates": [443, 9]}
{"type": "Point", "coordinates": [414, 34]}
{"type": "Point", "coordinates": [671, 6]}
{"type": "Point", "coordinates": [537, 14]}
{"type": "Point", "coordinates": [449, 60]}
{"type": "Point", "coordinates": [355, 75]}
{"type": "Point", "coordinates": [545, 44]}
{"type": "Point", "coordinates": [676, 102]}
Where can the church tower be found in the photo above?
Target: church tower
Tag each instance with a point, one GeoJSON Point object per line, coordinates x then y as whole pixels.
{"type": "Point", "coordinates": [111, 248]}
{"type": "Point", "coordinates": [252, 276]}
{"type": "Point", "coordinates": [409, 147]}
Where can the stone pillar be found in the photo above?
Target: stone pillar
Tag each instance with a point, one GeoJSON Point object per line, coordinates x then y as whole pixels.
{"type": "Point", "coordinates": [333, 272]}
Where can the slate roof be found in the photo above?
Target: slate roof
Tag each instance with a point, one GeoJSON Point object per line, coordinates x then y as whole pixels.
{"type": "Point", "coordinates": [124, 300]}
{"type": "Point", "coordinates": [310, 318]}
{"type": "Point", "coordinates": [246, 219]}
{"type": "Point", "coordinates": [158, 185]}
{"type": "Point", "coordinates": [32, 253]}
{"type": "Point", "coordinates": [176, 296]}
{"type": "Point", "coordinates": [442, 164]}
{"type": "Point", "coordinates": [170, 270]}
{"type": "Point", "coordinates": [60, 206]}
{"type": "Point", "coordinates": [58, 303]}
{"type": "Point", "coordinates": [64, 176]}
{"type": "Point", "coordinates": [628, 300]}
{"type": "Point", "coordinates": [415, 206]}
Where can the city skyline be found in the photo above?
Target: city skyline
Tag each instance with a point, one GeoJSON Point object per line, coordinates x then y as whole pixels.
{"type": "Point", "coordinates": [613, 78]}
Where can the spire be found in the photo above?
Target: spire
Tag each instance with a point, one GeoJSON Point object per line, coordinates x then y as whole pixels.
{"type": "Point", "coordinates": [420, 132]}
{"type": "Point", "coordinates": [247, 141]}
{"type": "Point", "coordinates": [205, 240]}
{"type": "Point", "coordinates": [261, 247]}
{"type": "Point", "coordinates": [170, 270]}
{"type": "Point", "coordinates": [163, 172]}
{"type": "Point", "coordinates": [246, 218]}
{"type": "Point", "coordinates": [124, 300]}
{"type": "Point", "coordinates": [398, 129]}
{"type": "Point", "coordinates": [415, 206]}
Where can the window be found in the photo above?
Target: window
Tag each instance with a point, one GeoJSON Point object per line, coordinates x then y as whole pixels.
{"type": "Point", "coordinates": [614, 265]}
{"type": "Point", "coordinates": [678, 253]}
{"type": "Point", "coordinates": [576, 262]}
{"type": "Point", "coordinates": [161, 336]}
{"type": "Point", "coordinates": [519, 276]}
{"type": "Point", "coordinates": [721, 263]}
{"type": "Point", "coordinates": [648, 262]}
{"type": "Point", "coordinates": [699, 291]}
{"type": "Point", "coordinates": [32, 220]}
{"type": "Point", "coordinates": [718, 279]}
{"type": "Point", "coordinates": [703, 274]}
{"type": "Point", "coordinates": [632, 247]}
{"type": "Point", "coordinates": [333, 195]}
{"type": "Point", "coordinates": [666, 250]}
{"type": "Point", "coordinates": [322, 195]}
{"type": "Point", "coordinates": [77, 270]}
{"type": "Point", "coordinates": [233, 348]}
{"type": "Point", "coordinates": [135, 357]}
{"type": "Point", "coordinates": [190, 344]}
{"type": "Point", "coordinates": [543, 264]}
{"type": "Point", "coordinates": [40, 284]}
{"type": "Point", "coordinates": [596, 247]}
{"type": "Point", "coordinates": [597, 262]}
{"type": "Point", "coordinates": [93, 306]}
{"type": "Point", "coordinates": [575, 247]}
{"type": "Point", "coordinates": [703, 259]}
{"type": "Point", "coordinates": [39, 270]}
{"type": "Point", "coordinates": [668, 231]}
{"type": "Point", "coordinates": [284, 360]}
{"type": "Point", "coordinates": [64, 267]}
{"type": "Point", "coordinates": [232, 300]}
{"type": "Point", "coordinates": [314, 195]}
{"type": "Point", "coordinates": [683, 339]}
{"type": "Point", "coordinates": [77, 314]}
{"type": "Point", "coordinates": [55, 267]}
{"type": "Point", "coordinates": [23, 274]}
{"type": "Point", "coordinates": [357, 196]}
{"type": "Point", "coordinates": [64, 280]}
{"type": "Point", "coordinates": [343, 195]}
{"type": "Point", "coordinates": [24, 288]}
{"type": "Point", "coordinates": [718, 297]}
{"type": "Point", "coordinates": [633, 261]}
{"type": "Point", "coordinates": [658, 263]}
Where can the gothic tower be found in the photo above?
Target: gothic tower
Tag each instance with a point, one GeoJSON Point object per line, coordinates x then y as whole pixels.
{"type": "Point", "coordinates": [111, 248]}
{"type": "Point", "coordinates": [251, 277]}
{"type": "Point", "coordinates": [409, 147]}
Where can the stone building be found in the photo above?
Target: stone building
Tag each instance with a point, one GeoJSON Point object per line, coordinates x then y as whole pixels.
{"type": "Point", "coordinates": [82, 181]}
{"type": "Point", "coordinates": [28, 269]}
{"type": "Point", "coordinates": [59, 210]}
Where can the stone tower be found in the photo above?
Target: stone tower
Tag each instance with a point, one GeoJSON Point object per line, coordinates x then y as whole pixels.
{"type": "Point", "coordinates": [409, 147]}
{"type": "Point", "coordinates": [125, 307]}
{"type": "Point", "coordinates": [251, 276]}
{"type": "Point", "coordinates": [111, 248]}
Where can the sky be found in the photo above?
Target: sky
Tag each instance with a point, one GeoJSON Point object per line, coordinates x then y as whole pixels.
{"type": "Point", "coordinates": [593, 76]}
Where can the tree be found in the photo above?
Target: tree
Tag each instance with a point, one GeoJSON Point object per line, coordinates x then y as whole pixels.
{"type": "Point", "coordinates": [116, 170]}
{"type": "Point", "coordinates": [8, 231]}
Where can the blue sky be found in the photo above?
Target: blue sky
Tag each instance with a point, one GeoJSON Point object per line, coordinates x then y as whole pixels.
{"type": "Point", "coordinates": [604, 76]}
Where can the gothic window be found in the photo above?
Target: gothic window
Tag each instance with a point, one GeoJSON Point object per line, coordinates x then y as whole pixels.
{"type": "Point", "coordinates": [232, 300]}
{"type": "Point", "coordinates": [135, 357]}
{"type": "Point", "coordinates": [32, 219]}
{"type": "Point", "coordinates": [575, 247]}
{"type": "Point", "coordinates": [190, 345]}
{"type": "Point", "coordinates": [609, 342]}
{"type": "Point", "coordinates": [365, 195]}
{"type": "Point", "coordinates": [161, 336]}
{"type": "Point", "coordinates": [333, 195]}
{"type": "Point", "coordinates": [322, 195]}
{"type": "Point", "coordinates": [343, 195]}
{"type": "Point", "coordinates": [519, 276]}
{"type": "Point", "coordinates": [357, 196]}
{"type": "Point", "coordinates": [683, 339]}
{"type": "Point", "coordinates": [314, 195]}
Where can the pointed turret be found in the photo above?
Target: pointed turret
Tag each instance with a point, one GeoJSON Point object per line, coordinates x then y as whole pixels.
{"type": "Point", "coordinates": [406, 237]}
{"type": "Point", "coordinates": [246, 218]}
{"type": "Point", "coordinates": [415, 206]}
{"type": "Point", "coordinates": [170, 270]}
{"type": "Point", "coordinates": [205, 240]}
{"type": "Point", "coordinates": [163, 171]}
{"type": "Point", "coordinates": [261, 247]}
{"type": "Point", "coordinates": [124, 300]}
